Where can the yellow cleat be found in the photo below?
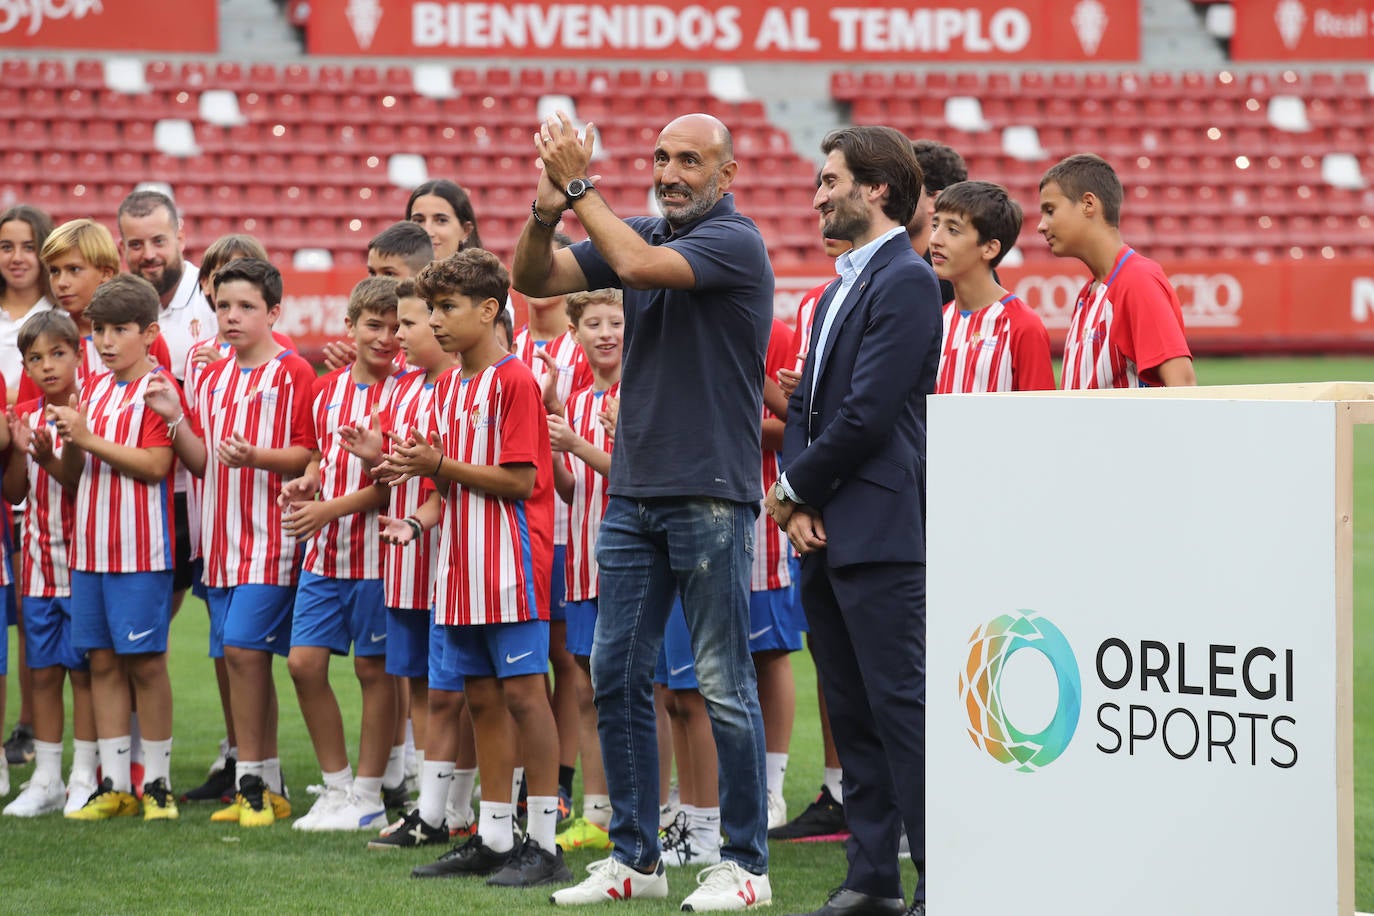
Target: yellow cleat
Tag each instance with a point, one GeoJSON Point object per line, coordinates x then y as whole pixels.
{"type": "Point", "coordinates": [158, 803]}
{"type": "Point", "coordinates": [281, 805]}
{"type": "Point", "coordinates": [105, 804]}
{"type": "Point", "coordinates": [258, 805]}
{"type": "Point", "coordinates": [229, 814]}
{"type": "Point", "coordinates": [583, 834]}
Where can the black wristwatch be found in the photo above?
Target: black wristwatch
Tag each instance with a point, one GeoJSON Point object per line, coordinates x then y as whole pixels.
{"type": "Point", "coordinates": [577, 189]}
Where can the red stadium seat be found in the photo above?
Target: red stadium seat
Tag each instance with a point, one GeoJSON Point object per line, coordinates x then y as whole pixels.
{"type": "Point", "coordinates": [229, 75]}
{"type": "Point", "coordinates": [263, 77]}
{"type": "Point", "coordinates": [194, 75]}
{"type": "Point", "coordinates": [16, 73]}
{"type": "Point", "coordinates": [88, 74]}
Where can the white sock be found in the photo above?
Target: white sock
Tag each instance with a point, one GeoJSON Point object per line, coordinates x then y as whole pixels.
{"type": "Point", "coordinates": [341, 779]}
{"type": "Point", "coordinates": [542, 821]}
{"type": "Point", "coordinates": [157, 761]}
{"type": "Point", "coordinates": [705, 827]}
{"type": "Point", "coordinates": [460, 791]}
{"type": "Point", "coordinates": [114, 761]}
{"type": "Point", "coordinates": [777, 769]}
{"type": "Point", "coordinates": [436, 778]}
{"type": "Point", "coordinates": [135, 740]}
{"type": "Point", "coordinates": [47, 762]}
{"type": "Point", "coordinates": [517, 776]}
{"type": "Point", "coordinates": [597, 809]}
{"type": "Point", "coordinates": [411, 751]}
{"type": "Point", "coordinates": [368, 790]}
{"type": "Point", "coordinates": [271, 775]}
{"type": "Point", "coordinates": [85, 757]}
{"type": "Point", "coordinates": [395, 772]}
{"type": "Point", "coordinates": [834, 783]}
{"type": "Point", "coordinates": [246, 768]}
{"type": "Point", "coordinates": [494, 825]}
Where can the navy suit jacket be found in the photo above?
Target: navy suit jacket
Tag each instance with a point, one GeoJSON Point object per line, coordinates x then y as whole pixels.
{"type": "Point", "coordinates": [856, 452]}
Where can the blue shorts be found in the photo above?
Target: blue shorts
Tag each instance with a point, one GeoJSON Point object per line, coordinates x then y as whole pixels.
{"type": "Point", "coordinates": [11, 597]}
{"type": "Point", "coordinates": [48, 634]}
{"type": "Point", "coordinates": [581, 627]}
{"type": "Point", "coordinates": [676, 664]}
{"type": "Point", "coordinates": [250, 617]}
{"type": "Point", "coordinates": [771, 622]}
{"type": "Point", "coordinates": [443, 664]}
{"type": "Point", "coordinates": [798, 615]}
{"type": "Point", "coordinates": [198, 587]}
{"type": "Point", "coordinates": [407, 641]}
{"type": "Point", "coordinates": [5, 645]}
{"type": "Point", "coordinates": [499, 650]}
{"type": "Point", "coordinates": [128, 612]}
{"type": "Point", "coordinates": [558, 584]}
{"type": "Point", "coordinates": [334, 613]}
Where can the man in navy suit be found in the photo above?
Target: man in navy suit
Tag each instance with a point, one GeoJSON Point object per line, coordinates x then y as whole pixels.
{"type": "Point", "coordinates": [851, 500]}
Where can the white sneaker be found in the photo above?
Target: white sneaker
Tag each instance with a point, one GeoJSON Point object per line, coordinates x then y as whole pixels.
{"type": "Point", "coordinates": [38, 798]}
{"type": "Point", "coordinates": [727, 886]}
{"type": "Point", "coordinates": [80, 788]}
{"type": "Point", "coordinates": [684, 847]}
{"type": "Point", "coordinates": [667, 814]}
{"type": "Point", "coordinates": [352, 814]}
{"type": "Point", "coordinates": [610, 879]}
{"type": "Point", "coordinates": [777, 810]}
{"type": "Point", "coordinates": [329, 800]}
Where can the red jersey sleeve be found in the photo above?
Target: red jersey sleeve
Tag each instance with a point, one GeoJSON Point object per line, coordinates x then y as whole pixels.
{"type": "Point", "coordinates": [1151, 316]}
{"type": "Point", "coordinates": [302, 400]}
{"type": "Point", "coordinates": [522, 409]}
{"type": "Point", "coordinates": [1031, 366]}
{"type": "Point", "coordinates": [152, 432]}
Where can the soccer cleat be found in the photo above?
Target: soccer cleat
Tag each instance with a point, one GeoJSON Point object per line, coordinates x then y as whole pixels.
{"type": "Point", "coordinates": [777, 810]}
{"type": "Point", "coordinates": [106, 803]}
{"type": "Point", "coordinates": [352, 814]}
{"type": "Point", "coordinates": [681, 848]}
{"type": "Point", "coordinates": [38, 798]}
{"type": "Point", "coordinates": [258, 805]}
{"type": "Point", "coordinates": [532, 866]}
{"type": "Point", "coordinates": [610, 879]}
{"type": "Point", "coordinates": [667, 814]}
{"type": "Point", "coordinates": [230, 813]}
{"type": "Point", "coordinates": [219, 786]}
{"type": "Point", "coordinates": [823, 819]}
{"type": "Point", "coordinates": [396, 798]}
{"type": "Point", "coordinates": [80, 788]}
{"type": "Point", "coordinates": [564, 806]}
{"type": "Point", "coordinates": [472, 859]}
{"type": "Point", "coordinates": [158, 802]}
{"type": "Point", "coordinates": [330, 798]}
{"type": "Point", "coordinates": [460, 823]}
{"type": "Point", "coordinates": [727, 886]}
{"type": "Point", "coordinates": [583, 834]}
{"type": "Point", "coordinates": [409, 832]}
{"type": "Point", "coordinates": [19, 747]}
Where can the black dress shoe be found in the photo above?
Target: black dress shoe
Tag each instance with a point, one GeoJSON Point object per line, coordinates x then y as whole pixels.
{"type": "Point", "coordinates": [846, 902]}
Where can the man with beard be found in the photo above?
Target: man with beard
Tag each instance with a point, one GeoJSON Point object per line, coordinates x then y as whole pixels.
{"type": "Point", "coordinates": [684, 483]}
{"type": "Point", "coordinates": [853, 452]}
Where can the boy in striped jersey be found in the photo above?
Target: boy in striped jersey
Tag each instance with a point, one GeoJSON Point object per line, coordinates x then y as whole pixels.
{"type": "Point", "coordinates": [254, 410]}
{"type": "Point", "coordinates": [340, 600]}
{"type": "Point", "coordinates": [580, 471]}
{"type": "Point", "coordinates": [1127, 325]}
{"type": "Point", "coordinates": [992, 340]}
{"type": "Point", "coordinates": [488, 457]}
{"type": "Point", "coordinates": [51, 348]}
{"type": "Point", "coordinates": [121, 561]}
{"type": "Point", "coordinates": [413, 640]}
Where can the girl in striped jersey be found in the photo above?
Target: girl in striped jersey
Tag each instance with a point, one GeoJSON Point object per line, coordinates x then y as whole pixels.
{"type": "Point", "coordinates": [584, 442]}
{"type": "Point", "coordinates": [992, 340]}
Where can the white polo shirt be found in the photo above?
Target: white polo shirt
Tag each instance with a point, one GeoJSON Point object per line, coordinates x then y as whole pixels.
{"type": "Point", "coordinates": [188, 318]}
{"type": "Point", "coordinates": [11, 360]}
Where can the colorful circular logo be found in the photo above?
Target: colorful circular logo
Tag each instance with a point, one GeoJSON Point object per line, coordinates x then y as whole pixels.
{"type": "Point", "coordinates": [980, 690]}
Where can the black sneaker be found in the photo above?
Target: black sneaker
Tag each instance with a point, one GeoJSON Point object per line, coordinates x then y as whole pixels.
{"type": "Point", "coordinates": [822, 819]}
{"type": "Point", "coordinates": [397, 798]}
{"type": "Point", "coordinates": [409, 832]}
{"type": "Point", "coordinates": [218, 787]}
{"type": "Point", "coordinates": [532, 866]}
{"type": "Point", "coordinates": [473, 859]}
{"type": "Point", "coordinates": [19, 746]}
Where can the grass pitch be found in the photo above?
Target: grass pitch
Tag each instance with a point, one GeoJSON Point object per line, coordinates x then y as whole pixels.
{"type": "Point", "coordinates": [52, 865]}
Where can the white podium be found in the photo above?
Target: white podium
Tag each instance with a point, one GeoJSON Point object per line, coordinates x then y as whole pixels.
{"type": "Point", "coordinates": [1139, 651]}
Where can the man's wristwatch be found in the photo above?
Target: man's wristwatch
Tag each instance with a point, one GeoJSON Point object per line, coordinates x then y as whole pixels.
{"type": "Point", "coordinates": [577, 189]}
{"type": "Point", "coordinates": [780, 494]}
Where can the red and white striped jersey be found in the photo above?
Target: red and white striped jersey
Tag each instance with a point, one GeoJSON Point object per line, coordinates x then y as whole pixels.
{"type": "Point", "coordinates": [91, 365]}
{"type": "Point", "coordinates": [49, 521]}
{"type": "Point", "coordinates": [349, 547]}
{"type": "Point", "coordinates": [801, 334]}
{"type": "Point", "coordinates": [495, 555]}
{"type": "Point", "coordinates": [574, 374]}
{"type": "Point", "coordinates": [241, 537]}
{"type": "Point", "coordinates": [408, 571]}
{"type": "Point", "coordinates": [770, 569]}
{"type": "Point", "coordinates": [1122, 330]}
{"type": "Point", "coordinates": [195, 487]}
{"type": "Point", "coordinates": [589, 493]}
{"type": "Point", "coordinates": [1003, 347]}
{"type": "Point", "coordinates": [125, 525]}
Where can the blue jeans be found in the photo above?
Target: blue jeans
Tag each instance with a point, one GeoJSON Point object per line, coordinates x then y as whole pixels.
{"type": "Point", "coordinates": [648, 550]}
